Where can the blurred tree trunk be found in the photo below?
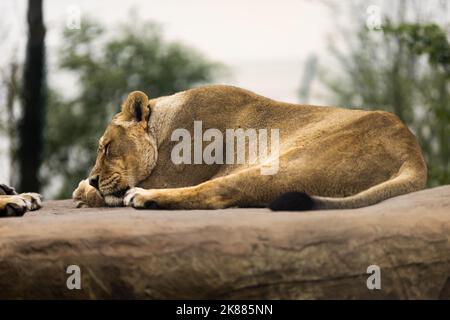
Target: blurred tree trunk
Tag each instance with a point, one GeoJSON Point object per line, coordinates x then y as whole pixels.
{"type": "Point", "coordinates": [11, 96]}
{"type": "Point", "coordinates": [30, 144]}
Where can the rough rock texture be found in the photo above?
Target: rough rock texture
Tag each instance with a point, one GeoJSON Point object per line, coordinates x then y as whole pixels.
{"type": "Point", "coordinates": [234, 253]}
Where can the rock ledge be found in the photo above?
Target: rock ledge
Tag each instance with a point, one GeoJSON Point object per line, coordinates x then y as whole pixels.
{"type": "Point", "coordinates": [231, 254]}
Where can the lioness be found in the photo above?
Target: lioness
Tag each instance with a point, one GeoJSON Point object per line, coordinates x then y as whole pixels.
{"type": "Point", "coordinates": [14, 204]}
{"type": "Point", "coordinates": [328, 157]}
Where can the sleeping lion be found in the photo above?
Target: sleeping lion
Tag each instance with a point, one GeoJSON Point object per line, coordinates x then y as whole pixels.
{"type": "Point", "coordinates": [14, 204]}
{"type": "Point", "coordinates": [328, 158]}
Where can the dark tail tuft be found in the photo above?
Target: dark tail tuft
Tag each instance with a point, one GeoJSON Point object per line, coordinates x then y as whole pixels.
{"type": "Point", "coordinates": [292, 201]}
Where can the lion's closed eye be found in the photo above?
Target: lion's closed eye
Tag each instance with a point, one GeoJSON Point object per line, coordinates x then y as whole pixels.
{"type": "Point", "coordinates": [107, 148]}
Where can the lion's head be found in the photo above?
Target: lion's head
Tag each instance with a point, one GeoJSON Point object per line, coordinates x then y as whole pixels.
{"type": "Point", "coordinates": [126, 153]}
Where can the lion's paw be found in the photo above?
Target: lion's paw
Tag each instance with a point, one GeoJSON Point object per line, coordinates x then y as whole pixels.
{"type": "Point", "coordinates": [87, 196]}
{"type": "Point", "coordinates": [5, 189]}
{"type": "Point", "coordinates": [139, 198]}
{"type": "Point", "coordinates": [17, 205]}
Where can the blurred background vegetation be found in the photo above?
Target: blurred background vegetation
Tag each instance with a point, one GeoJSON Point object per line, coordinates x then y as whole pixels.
{"type": "Point", "coordinates": [402, 66]}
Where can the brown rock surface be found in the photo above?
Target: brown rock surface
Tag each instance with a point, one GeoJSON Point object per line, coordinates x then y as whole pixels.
{"type": "Point", "coordinates": [233, 253]}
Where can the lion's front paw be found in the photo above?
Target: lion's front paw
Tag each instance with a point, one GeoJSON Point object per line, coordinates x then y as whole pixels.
{"type": "Point", "coordinates": [87, 196]}
{"type": "Point", "coordinates": [141, 199]}
{"type": "Point", "coordinates": [17, 205]}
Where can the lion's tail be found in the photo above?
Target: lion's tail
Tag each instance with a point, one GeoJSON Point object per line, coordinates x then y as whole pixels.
{"type": "Point", "coordinates": [411, 177]}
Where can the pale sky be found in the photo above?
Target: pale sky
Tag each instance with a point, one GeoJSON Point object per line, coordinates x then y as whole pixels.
{"type": "Point", "coordinates": [264, 42]}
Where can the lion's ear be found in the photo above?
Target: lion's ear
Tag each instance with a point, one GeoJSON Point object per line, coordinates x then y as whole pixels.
{"type": "Point", "coordinates": [136, 107]}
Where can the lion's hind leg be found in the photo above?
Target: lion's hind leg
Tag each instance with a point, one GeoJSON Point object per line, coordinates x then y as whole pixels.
{"type": "Point", "coordinates": [411, 177]}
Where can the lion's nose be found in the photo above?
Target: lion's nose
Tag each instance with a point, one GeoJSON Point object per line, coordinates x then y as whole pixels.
{"type": "Point", "coordinates": [93, 181]}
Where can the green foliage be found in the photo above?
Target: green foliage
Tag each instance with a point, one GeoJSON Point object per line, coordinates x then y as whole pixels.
{"type": "Point", "coordinates": [404, 69]}
{"type": "Point", "coordinates": [427, 39]}
{"type": "Point", "coordinates": [107, 68]}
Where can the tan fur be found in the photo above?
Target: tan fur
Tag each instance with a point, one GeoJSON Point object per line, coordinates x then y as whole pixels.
{"type": "Point", "coordinates": [345, 158]}
{"type": "Point", "coordinates": [13, 204]}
